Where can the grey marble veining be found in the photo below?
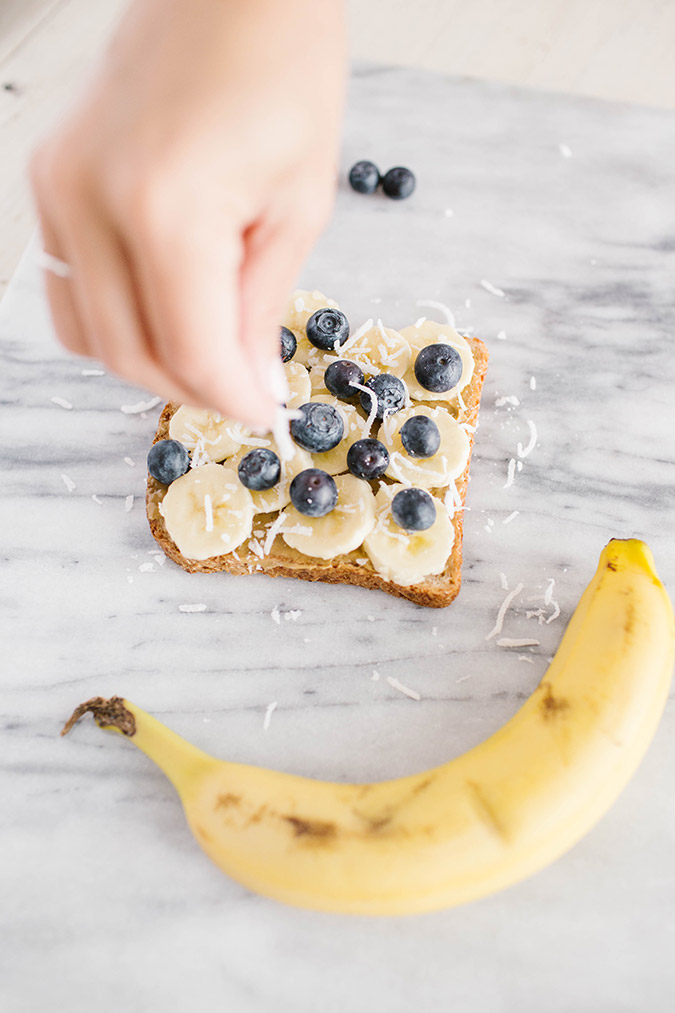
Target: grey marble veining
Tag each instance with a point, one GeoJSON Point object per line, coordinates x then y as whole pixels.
{"type": "Point", "coordinates": [107, 902]}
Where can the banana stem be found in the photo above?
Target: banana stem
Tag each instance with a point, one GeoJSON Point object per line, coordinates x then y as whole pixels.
{"type": "Point", "coordinates": [182, 762]}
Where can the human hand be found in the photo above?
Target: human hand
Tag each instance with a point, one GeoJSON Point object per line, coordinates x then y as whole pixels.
{"type": "Point", "coordinates": [186, 189]}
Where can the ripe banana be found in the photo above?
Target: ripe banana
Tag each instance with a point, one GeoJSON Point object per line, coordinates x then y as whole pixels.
{"type": "Point", "coordinates": [407, 557]}
{"type": "Point", "coordinates": [434, 472]}
{"type": "Point", "coordinates": [465, 829]}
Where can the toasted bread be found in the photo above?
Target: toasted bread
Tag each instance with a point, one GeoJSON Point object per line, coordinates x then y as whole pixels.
{"type": "Point", "coordinates": [283, 561]}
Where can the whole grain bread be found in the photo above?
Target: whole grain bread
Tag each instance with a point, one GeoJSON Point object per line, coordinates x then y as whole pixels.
{"type": "Point", "coordinates": [283, 561]}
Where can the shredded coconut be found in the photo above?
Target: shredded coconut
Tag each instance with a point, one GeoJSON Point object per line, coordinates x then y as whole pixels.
{"type": "Point", "coordinates": [271, 707]}
{"type": "Point", "coordinates": [510, 474]}
{"type": "Point", "coordinates": [372, 414]}
{"type": "Point", "coordinates": [501, 335]}
{"type": "Point", "coordinates": [565, 151]}
{"type": "Point", "coordinates": [68, 482]}
{"type": "Point", "coordinates": [418, 323]}
{"type": "Point", "coordinates": [514, 642]}
{"type": "Point", "coordinates": [128, 503]}
{"type": "Point", "coordinates": [492, 289]}
{"type": "Point", "coordinates": [512, 516]}
{"type": "Point", "coordinates": [412, 693]}
{"type": "Point", "coordinates": [61, 402]}
{"type": "Point", "coordinates": [524, 657]}
{"type": "Point", "coordinates": [375, 676]}
{"type": "Point", "coordinates": [208, 513]}
{"type": "Point", "coordinates": [292, 614]}
{"type": "Point", "coordinates": [519, 465]}
{"type": "Point", "coordinates": [434, 631]}
{"type": "Point", "coordinates": [510, 399]}
{"type": "Point", "coordinates": [200, 607]}
{"type": "Point", "coordinates": [255, 547]}
{"type": "Point", "coordinates": [275, 616]}
{"type": "Point", "coordinates": [462, 678]}
{"type": "Point", "coordinates": [147, 568]}
{"type": "Point", "coordinates": [272, 532]}
{"type": "Point", "coordinates": [524, 451]}
{"type": "Point", "coordinates": [460, 401]}
{"type": "Point", "coordinates": [353, 338]}
{"type": "Point", "coordinates": [504, 582]}
{"type": "Point", "coordinates": [555, 613]}
{"type": "Point", "coordinates": [533, 383]}
{"type": "Point", "coordinates": [441, 307]}
{"type": "Point", "coordinates": [140, 406]}
{"type": "Point", "coordinates": [97, 500]}
{"type": "Point", "coordinates": [130, 462]}
{"type": "Point", "coordinates": [503, 610]}
{"type": "Point", "coordinates": [548, 593]}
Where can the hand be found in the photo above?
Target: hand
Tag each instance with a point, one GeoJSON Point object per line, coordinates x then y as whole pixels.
{"type": "Point", "coordinates": [186, 190]}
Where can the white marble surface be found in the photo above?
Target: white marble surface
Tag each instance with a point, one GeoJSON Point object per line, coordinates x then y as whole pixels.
{"type": "Point", "coordinates": [107, 902]}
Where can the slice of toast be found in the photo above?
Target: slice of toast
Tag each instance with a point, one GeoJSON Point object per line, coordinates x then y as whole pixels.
{"type": "Point", "coordinates": [353, 568]}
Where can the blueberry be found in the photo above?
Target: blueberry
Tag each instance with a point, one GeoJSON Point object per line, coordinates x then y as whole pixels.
{"type": "Point", "coordinates": [368, 459]}
{"type": "Point", "coordinates": [364, 177]}
{"type": "Point", "coordinates": [327, 328]}
{"type": "Point", "coordinates": [413, 509]}
{"type": "Point", "coordinates": [259, 469]}
{"type": "Point", "coordinates": [321, 427]}
{"type": "Point", "coordinates": [420, 436]}
{"type": "Point", "coordinates": [438, 367]}
{"type": "Point", "coordinates": [340, 376]}
{"type": "Point", "coordinates": [168, 460]}
{"type": "Point", "coordinates": [313, 492]}
{"type": "Point", "coordinates": [288, 344]}
{"type": "Point", "coordinates": [389, 391]}
{"type": "Point", "coordinates": [398, 182]}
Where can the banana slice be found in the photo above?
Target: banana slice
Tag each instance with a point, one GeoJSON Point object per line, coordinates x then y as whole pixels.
{"type": "Point", "coordinates": [207, 511]}
{"type": "Point", "coordinates": [340, 531]}
{"type": "Point", "coordinates": [379, 350]}
{"type": "Point", "coordinates": [300, 307]}
{"type": "Point", "coordinates": [426, 472]}
{"type": "Point", "coordinates": [431, 333]}
{"type": "Point", "coordinates": [335, 461]}
{"type": "Point", "coordinates": [276, 498]}
{"type": "Point", "coordinates": [407, 557]}
{"type": "Point", "coordinates": [299, 385]}
{"type": "Point", "coordinates": [208, 431]}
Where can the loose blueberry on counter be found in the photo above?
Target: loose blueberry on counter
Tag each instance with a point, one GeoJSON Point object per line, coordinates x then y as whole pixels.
{"type": "Point", "coordinates": [438, 367]}
{"type": "Point", "coordinates": [327, 328]}
{"type": "Point", "coordinates": [289, 344]}
{"type": "Point", "coordinates": [364, 177]}
{"type": "Point", "coordinates": [319, 429]}
{"type": "Point", "coordinates": [313, 492]}
{"type": "Point", "coordinates": [398, 182]}
{"type": "Point", "coordinates": [340, 376]}
{"type": "Point", "coordinates": [368, 459]}
{"type": "Point", "coordinates": [259, 469]}
{"type": "Point", "coordinates": [420, 436]}
{"type": "Point", "coordinates": [389, 391]}
{"type": "Point", "coordinates": [168, 460]}
{"type": "Point", "coordinates": [413, 509]}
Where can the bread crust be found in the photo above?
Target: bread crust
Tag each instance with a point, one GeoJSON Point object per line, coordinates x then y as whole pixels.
{"type": "Point", "coordinates": [434, 592]}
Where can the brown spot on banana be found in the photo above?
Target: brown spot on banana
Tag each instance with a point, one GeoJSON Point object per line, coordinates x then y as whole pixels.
{"type": "Point", "coordinates": [314, 830]}
{"type": "Point", "coordinates": [227, 800]}
{"type": "Point", "coordinates": [552, 706]}
{"type": "Point", "coordinates": [486, 811]}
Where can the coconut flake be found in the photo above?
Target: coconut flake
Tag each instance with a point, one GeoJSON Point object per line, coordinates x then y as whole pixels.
{"type": "Point", "coordinates": [525, 657]}
{"type": "Point", "coordinates": [517, 642]}
{"type": "Point", "coordinates": [548, 593]}
{"type": "Point", "coordinates": [412, 693]}
{"type": "Point", "coordinates": [372, 414]}
{"type": "Point", "coordinates": [197, 607]}
{"type": "Point", "coordinates": [462, 678]}
{"type": "Point", "coordinates": [533, 383]}
{"type": "Point", "coordinates": [565, 151]}
{"type": "Point", "coordinates": [97, 500]}
{"type": "Point", "coordinates": [130, 462]}
{"type": "Point", "coordinates": [269, 710]}
{"type": "Point", "coordinates": [555, 613]}
{"type": "Point", "coordinates": [525, 451]}
{"type": "Point", "coordinates": [68, 482]}
{"type": "Point", "coordinates": [501, 335]}
{"type": "Point", "coordinates": [140, 406]}
{"type": "Point", "coordinates": [353, 338]}
{"type": "Point", "coordinates": [512, 516]}
{"type": "Point", "coordinates": [510, 399]}
{"type": "Point", "coordinates": [208, 513]}
{"type": "Point", "coordinates": [504, 582]}
{"type": "Point", "coordinates": [492, 289]}
{"type": "Point", "coordinates": [128, 503]}
{"type": "Point", "coordinates": [503, 608]}
{"type": "Point", "coordinates": [440, 306]}
{"type": "Point", "coordinates": [272, 532]}
{"type": "Point", "coordinates": [375, 676]}
{"type": "Point", "coordinates": [255, 547]}
{"type": "Point", "coordinates": [418, 323]}
{"type": "Point", "coordinates": [147, 568]}
{"type": "Point", "coordinates": [61, 402]}
{"type": "Point", "coordinates": [510, 474]}
{"type": "Point", "coordinates": [275, 616]}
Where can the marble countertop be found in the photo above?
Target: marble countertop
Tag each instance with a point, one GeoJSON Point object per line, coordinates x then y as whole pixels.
{"type": "Point", "coordinates": [547, 224]}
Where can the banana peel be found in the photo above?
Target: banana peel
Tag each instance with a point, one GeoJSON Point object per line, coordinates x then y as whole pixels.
{"type": "Point", "coordinates": [467, 828]}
